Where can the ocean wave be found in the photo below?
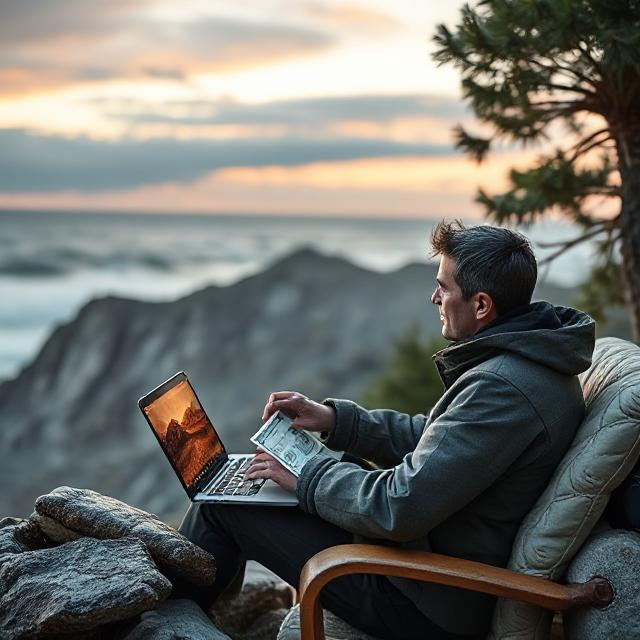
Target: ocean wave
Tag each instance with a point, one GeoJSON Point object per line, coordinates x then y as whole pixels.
{"type": "Point", "coordinates": [64, 261]}
{"type": "Point", "coordinates": [34, 267]}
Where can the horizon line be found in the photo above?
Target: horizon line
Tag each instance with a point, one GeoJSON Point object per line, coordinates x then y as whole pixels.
{"type": "Point", "coordinates": [329, 216]}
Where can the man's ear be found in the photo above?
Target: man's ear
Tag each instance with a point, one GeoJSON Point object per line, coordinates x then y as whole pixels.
{"type": "Point", "coordinates": [485, 308]}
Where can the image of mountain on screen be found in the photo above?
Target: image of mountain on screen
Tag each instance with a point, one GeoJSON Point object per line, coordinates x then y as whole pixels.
{"type": "Point", "coordinates": [175, 439]}
{"type": "Point", "coordinates": [191, 443]}
{"type": "Point", "coordinates": [194, 419]}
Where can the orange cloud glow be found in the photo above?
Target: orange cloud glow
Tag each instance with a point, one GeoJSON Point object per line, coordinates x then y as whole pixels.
{"type": "Point", "coordinates": [405, 187]}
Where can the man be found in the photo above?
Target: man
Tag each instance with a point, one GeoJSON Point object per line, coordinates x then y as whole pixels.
{"type": "Point", "coordinates": [456, 482]}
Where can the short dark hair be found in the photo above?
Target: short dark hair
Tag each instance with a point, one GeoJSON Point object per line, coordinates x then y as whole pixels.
{"type": "Point", "coordinates": [495, 260]}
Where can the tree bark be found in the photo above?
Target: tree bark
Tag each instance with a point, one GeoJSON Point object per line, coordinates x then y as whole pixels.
{"type": "Point", "coordinates": [628, 146]}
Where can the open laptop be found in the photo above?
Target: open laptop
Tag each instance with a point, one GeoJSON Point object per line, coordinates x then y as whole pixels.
{"type": "Point", "coordinates": [196, 453]}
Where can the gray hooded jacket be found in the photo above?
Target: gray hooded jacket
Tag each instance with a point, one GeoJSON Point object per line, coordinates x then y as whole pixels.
{"type": "Point", "coordinates": [460, 481]}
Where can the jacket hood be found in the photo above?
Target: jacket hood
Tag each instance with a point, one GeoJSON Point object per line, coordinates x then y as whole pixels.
{"type": "Point", "coordinates": [560, 338]}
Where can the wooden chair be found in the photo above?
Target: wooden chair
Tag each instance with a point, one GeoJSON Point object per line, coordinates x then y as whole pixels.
{"type": "Point", "coordinates": [433, 567]}
{"type": "Point", "coordinates": [604, 450]}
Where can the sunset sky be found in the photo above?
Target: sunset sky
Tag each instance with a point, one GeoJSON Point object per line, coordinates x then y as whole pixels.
{"type": "Point", "coordinates": [264, 106]}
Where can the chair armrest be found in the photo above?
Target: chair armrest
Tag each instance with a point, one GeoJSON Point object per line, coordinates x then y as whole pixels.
{"type": "Point", "coordinates": [433, 567]}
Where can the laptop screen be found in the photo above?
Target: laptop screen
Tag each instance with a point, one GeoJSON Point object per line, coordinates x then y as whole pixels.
{"type": "Point", "coordinates": [185, 433]}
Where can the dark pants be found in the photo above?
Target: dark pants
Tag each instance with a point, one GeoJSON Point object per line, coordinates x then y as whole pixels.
{"type": "Point", "coordinates": [283, 539]}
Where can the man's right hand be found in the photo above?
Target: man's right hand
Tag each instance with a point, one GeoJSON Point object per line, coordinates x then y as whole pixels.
{"type": "Point", "coordinates": [305, 413]}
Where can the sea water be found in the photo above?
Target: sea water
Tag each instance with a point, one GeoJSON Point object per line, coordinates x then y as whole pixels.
{"type": "Point", "coordinates": [52, 263]}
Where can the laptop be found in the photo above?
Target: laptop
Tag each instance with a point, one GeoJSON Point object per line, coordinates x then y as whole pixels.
{"type": "Point", "coordinates": [196, 453]}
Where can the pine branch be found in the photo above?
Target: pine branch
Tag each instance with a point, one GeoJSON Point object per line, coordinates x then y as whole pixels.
{"type": "Point", "coordinates": [477, 148]}
{"type": "Point", "coordinates": [568, 244]}
{"type": "Point", "coordinates": [579, 149]}
{"type": "Point", "coordinates": [555, 65]}
{"type": "Point", "coordinates": [569, 88]}
{"type": "Point", "coordinates": [597, 226]}
{"type": "Point", "coordinates": [611, 191]}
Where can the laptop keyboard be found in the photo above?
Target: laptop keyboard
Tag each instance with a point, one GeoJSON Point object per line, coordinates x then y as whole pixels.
{"type": "Point", "coordinates": [232, 483]}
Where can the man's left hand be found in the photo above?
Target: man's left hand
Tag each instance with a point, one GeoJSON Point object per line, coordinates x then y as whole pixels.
{"type": "Point", "coordinates": [265, 466]}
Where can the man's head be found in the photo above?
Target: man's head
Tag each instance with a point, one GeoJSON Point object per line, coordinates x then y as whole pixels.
{"type": "Point", "coordinates": [484, 272]}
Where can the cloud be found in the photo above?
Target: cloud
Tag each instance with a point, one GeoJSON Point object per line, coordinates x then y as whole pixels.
{"type": "Point", "coordinates": [36, 22]}
{"type": "Point", "coordinates": [36, 163]}
{"type": "Point", "coordinates": [311, 111]}
{"type": "Point", "coordinates": [351, 16]}
{"type": "Point", "coordinates": [46, 44]}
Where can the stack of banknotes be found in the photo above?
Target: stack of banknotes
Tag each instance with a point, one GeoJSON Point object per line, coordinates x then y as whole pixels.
{"type": "Point", "coordinates": [291, 446]}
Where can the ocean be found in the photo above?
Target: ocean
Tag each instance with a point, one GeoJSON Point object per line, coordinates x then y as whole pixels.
{"type": "Point", "coordinates": [52, 263]}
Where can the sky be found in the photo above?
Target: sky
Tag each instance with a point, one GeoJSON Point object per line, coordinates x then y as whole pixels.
{"type": "Point", "coordinates": [300, 107]}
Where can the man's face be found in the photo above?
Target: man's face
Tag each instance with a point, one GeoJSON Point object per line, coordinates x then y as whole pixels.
{"type": "Point", "coordinates": [458, 316]}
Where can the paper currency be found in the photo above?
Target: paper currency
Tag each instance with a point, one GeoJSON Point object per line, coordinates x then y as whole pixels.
{"type": "Point", "coordinates": [292, 447]}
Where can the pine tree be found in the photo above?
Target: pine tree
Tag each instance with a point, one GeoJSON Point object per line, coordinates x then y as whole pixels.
{"type": "Point", "coordinates": [534, 69]}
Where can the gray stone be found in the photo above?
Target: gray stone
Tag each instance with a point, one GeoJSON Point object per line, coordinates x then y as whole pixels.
{"type": "Point", "coordinates": [250, 614]}
{"type": "Point", "coordinates": [614, 555]}
{"type": "Point", "coordinates": [8, 541]}
{"type": "Point", "coordinates": [176, 620]}
{"type": "Point", "coordinates": [31, 535]}
{"type": "Point", "coordinates": [265, 627]}
{"type": "Point", "coordinates": [89, 513]}
{"type": "Point", "coordinates": [77, 587]}
{"type": "Point", "coordinates": [52, 529]}
{"type": "Point", "coordinates": [334, 628]}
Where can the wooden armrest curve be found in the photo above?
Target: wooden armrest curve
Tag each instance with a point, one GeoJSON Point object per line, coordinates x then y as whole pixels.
{"type": "Point", "coordinates": [433, 567]}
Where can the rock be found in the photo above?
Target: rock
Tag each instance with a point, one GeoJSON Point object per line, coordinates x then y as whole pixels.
{"type": "Point", "coordinates": [265, 627]}
{"type": "Point", "coordinates": [52, 529]}
{"type": "Point", "coordinates": [176, 620]}
{"type": "Point", "coordinates": [29, 534]}
{"type": "Point", "coordinates": [335, 628]}
{"type": "Point", "coordinates": [77, 587]}
{"type": "Point", "coordinates": [257, 611]}
{"type": "Point", "coordinates": [8, 522]}
{"type": "Point", "coordinates": [8, 541]}
{"type": "Point", "coordinates": [88, 513]}
{"type": "Point", "coordinates": [614, 555]}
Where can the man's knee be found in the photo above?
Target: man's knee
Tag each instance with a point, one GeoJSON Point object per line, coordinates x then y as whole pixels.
{"type": "Point", "coordinates": [191, 521]}
{"type": "Point", "coordinates": [204, 521]}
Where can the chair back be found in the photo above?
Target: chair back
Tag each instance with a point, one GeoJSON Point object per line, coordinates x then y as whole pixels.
{"type": "Point", "coordinates": [604, 450]}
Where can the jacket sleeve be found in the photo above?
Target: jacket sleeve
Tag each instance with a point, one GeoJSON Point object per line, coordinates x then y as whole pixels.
{"type": "Point", "coordinates": [382, 436]}
{"type": "Point", "coordinates": [462, 452]}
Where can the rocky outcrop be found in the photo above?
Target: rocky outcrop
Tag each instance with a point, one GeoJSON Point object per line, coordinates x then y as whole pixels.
{"type": "Point", "coordinates": [87, 567]}
{"type": "Point", "coordinates": [89, 513]}
{"type": "Point", "coordinates": [77, 586]}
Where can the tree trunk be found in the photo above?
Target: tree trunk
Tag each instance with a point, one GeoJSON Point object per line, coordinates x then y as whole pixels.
{"type": "Point", "coordinates": [628, 143]}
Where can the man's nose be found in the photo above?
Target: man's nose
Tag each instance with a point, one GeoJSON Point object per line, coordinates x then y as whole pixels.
{"type": "Point", "coordinates": [435, 296]}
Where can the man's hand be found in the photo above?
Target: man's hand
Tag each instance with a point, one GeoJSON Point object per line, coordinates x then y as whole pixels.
{"type": "Point", "coordinates": [265, 466]}
{"type": "Point", "coordinates": [305, 413]}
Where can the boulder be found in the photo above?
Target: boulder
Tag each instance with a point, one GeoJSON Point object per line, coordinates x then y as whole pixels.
{"type": "Point", "coordinates": [264, 627]}
{"type": "Point", "coordinates": [85, 512]}
{"type": "Point", "coordinates": [52, 529]}
{"type": "Point", "coordinates": [335, 628]}
{"type": "Point", "coordinates": [175, 620]}
{"type": "Point", "coordinates": [614, 555]}
{"type": "Point", "coordinates": [256, 612]}
{"type": "Point", "coordinates": [30, 535]}
{"type": "Point", "coordinates": [77, 587]}
{"type": "Point", "coordinates": [8, 541]}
